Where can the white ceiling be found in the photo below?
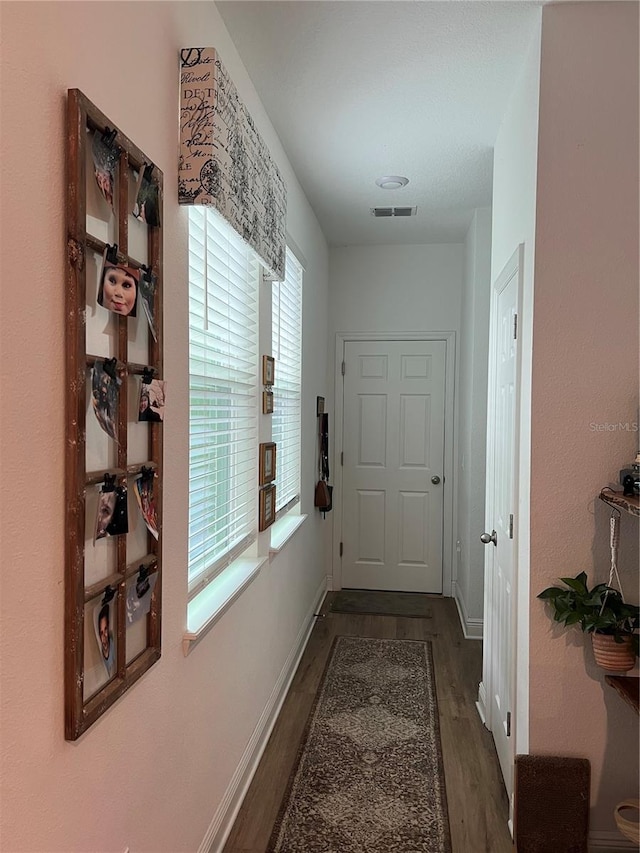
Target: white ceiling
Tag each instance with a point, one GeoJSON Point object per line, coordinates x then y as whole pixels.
{"type": "Point", "coordinates": [363, 88]}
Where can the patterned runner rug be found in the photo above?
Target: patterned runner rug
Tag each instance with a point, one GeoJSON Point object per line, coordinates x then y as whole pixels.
{"type": "Point", "coordinates": [369, 776]}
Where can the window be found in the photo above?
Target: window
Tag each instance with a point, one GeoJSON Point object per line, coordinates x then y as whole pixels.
{"type": "Point", "coordinates": [286, 326]}
{"type": "Point", "coordinates": [223, 389]}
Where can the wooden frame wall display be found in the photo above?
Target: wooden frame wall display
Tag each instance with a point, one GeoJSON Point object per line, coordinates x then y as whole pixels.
{"type": "Point", "coordinates": [268, 370]}
{"type": "Point", "coordinates": [267, 507]}
{"type": "Point", "coordinates": [113, 569]}
{"type": "Point", "coordinates": [267, 402]}
{"type": "Point", "coordinates": [267, 471]}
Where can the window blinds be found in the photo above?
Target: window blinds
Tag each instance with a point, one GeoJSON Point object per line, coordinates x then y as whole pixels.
{"type": "Point", "coordinates": [286, 325]}
{"type": "Point", "coordinates": [223, 389]}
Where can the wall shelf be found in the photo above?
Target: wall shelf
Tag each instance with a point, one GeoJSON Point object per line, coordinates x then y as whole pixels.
{"type": "Point", "coordinates": [627, 504]}
{"type": "Point", "coordinates": [627, 687]}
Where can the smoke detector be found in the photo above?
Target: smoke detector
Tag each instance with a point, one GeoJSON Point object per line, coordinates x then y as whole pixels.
{"type": "Point", "coordinates": [392, 182]}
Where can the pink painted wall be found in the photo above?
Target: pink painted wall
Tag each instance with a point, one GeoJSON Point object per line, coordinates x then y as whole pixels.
{"type": "Point", "coordinates": [155, 772]}
{"type": "Point", "coordinates": [585, 372]}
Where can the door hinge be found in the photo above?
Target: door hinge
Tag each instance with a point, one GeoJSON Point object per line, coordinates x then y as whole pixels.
{"type": "Point", "coordinates": [344, 368]}
{"type": "Point", "coordinates": [515, 327]}
{"type": "Point", "coordinates": [508, 723]}
{"type": "Point", "coordinates": [341, 457]}
{"type": "Point", "coordinates": [341, 549]}
{"type": "Point", "coordinates": [511, 526]}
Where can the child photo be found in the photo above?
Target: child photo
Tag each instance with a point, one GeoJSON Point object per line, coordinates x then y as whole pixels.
{"type": "Point", "coordinates": [112, 517]}
{"type": "Point", "coordinates": [118, 289]}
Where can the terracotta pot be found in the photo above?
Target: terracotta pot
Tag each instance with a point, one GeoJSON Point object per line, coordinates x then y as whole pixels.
{"type": "Point", "coordinates": [616, 657]}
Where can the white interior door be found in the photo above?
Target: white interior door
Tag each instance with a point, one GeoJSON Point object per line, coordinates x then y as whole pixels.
{"type": "Point", "coordinates": [499, 619]}
{"type": "Point", "coordinates": [393, 446]}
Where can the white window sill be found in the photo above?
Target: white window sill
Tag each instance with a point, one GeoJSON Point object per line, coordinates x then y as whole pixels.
{"type": "Point", "coordinates": [208, 606]}
{"type": "Point", "coordinates": [282, 530]}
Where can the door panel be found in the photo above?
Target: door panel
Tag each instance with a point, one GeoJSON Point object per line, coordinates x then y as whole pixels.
{"type": "Point", "coordinates": [393, 440]}
{"type": "Point", "coordinates": [500, 508]}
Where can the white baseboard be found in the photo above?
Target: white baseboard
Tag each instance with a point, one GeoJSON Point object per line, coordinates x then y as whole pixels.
{"type": "Point", "coordinates": [225, 815]}
{"type": "Point", "coordinates": [609, 842]}
{"type": "Point", "coordinates": [471, 628]}
{"type": "Point", "coordinates": [481, 704]}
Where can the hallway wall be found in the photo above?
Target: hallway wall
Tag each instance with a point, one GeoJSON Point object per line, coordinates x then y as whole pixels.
{"type": "Point", "coordinates": [585, 374]}
{"type": "Point", "coordinates": [474, 364]}
{"type": "Point", "coordinates": [156, 771]}
{"type": "Point", "coordinates": [393, 289]}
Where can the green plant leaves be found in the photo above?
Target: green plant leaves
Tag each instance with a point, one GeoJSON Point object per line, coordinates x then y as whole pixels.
{"type": "Point", "coordinates": [600, 609]}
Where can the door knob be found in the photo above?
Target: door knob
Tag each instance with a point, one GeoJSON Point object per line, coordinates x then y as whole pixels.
{"type": "Point", "coordinates": [435, 479]}
{"type": "Point", "coordinates": [489, 537]}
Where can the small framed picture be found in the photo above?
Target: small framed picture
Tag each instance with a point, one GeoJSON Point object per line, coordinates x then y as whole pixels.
{"type": "Point", "coordinates": [268, 369]}
{"type": "Point", "coordinates": [319, 405]}
{"type": "Point", "coordinates": [267, 507]}
{"type": "Point", "coordinates": [267, 402]}
{"type": "Point", "coordinates": [267, 471]}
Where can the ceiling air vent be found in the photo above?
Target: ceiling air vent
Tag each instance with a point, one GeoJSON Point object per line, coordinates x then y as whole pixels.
{"type": "Point", "coordinates": [394, 211]}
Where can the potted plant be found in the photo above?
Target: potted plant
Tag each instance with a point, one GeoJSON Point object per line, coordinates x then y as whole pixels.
{"type": "Point", "coordinates": [601, 612]}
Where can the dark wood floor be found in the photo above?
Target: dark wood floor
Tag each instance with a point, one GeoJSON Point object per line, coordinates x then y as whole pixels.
{"type": "Point", "coordinates": [477, 801]}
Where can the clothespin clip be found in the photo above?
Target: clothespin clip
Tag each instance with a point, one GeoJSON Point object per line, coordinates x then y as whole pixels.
{"type": "Point", "coordinates": [109, 136]}
{"type": "Point", "coordinates": [109, 483]}
{"type": "Point", "coordinates": [147, 473]}
{"type": "Point", "coordinates": [109, 593]}
{"type": "Point", "coordinates": [148, 172]}
{"type": "Point", "coordinates": [111, 253]}
{"type": "Point", "coordinates": [110, 366]}
{"type": "Point", "coordinates": [147, 375]}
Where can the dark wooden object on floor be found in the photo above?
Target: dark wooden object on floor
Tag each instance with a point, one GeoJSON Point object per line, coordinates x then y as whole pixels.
{"type": "Point", "coordinates": [551, 804]}
{"type": "Point", "coordinates": [478, 807]}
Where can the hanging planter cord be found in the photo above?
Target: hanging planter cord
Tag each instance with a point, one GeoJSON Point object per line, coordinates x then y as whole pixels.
{"type": "Point", "coordinates": [614, 541]}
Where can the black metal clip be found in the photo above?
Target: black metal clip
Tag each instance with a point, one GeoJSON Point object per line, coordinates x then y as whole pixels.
{"type": "Point", "coordinates": [146, 474]}
{"type": "Point", "coordinates": [148, 172]}
{"type": "Point", "coordinates": [111, 253]}
{"type": "Point", "coordinates": [109, 483]}
{"type": "Point", "coordinates": [109, 594]}
{"type": "Point", "coordinates": [147, 375]}
{"type": "Point", "coordinates": [110, 366]}
{"type": "Point", "coordinates": [109, 136]}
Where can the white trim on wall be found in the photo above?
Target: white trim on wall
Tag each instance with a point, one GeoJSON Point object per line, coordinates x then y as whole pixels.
{"type": "Point", "coordinates": [450, 446]}
{"type": "Point", "coordinates": [608, 842]}
{"type": "Point", "coordinates": [471, 628]}
{"type": "Point", "coordinates": [226, 813]}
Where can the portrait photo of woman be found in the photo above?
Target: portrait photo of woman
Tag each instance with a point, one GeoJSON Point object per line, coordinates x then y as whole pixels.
{"type": "Point", "coordinates": [118, 290]}
{"type": "Point", "coordinates": [103, 617]}
{"type": "Point", "coordinates": [106, 506]}
{"type": "Point", "coordinates": [152, 401]}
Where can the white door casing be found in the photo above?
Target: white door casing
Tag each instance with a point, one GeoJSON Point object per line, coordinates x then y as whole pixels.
{"type": "Point", "coordinates": [389, 514]}
{"type": "Point", "coordinates": [497, 690]}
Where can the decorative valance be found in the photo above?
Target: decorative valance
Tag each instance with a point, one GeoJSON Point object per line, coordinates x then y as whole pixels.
{"type": "Point", "coordinates": [225, 162]}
